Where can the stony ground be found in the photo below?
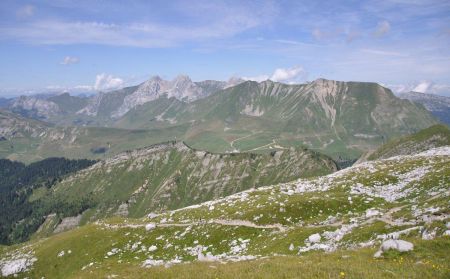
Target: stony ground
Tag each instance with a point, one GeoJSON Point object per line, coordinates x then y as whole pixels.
{"type": "Point", "coordinates": [356, 213]}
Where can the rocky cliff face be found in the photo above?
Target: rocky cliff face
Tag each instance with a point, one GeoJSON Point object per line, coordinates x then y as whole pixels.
{"type": "Point", "coordinates": [35, 107]}
{"type": "Point", "coordinates": [181, 88]}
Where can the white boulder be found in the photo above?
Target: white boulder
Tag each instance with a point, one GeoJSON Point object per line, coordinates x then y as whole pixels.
{"type": "Point", "coordinates": [397, 244]}
{"type": "Point", "coordinates": [372, 212]}
{"type": "Point", "coordinates": [150, 226]}
{"type": "Point", "coordinates": [394, 244]}
{"type": "Point", "coordinates": [314, 238]}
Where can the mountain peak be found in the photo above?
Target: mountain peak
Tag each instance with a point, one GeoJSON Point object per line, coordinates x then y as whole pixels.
{"type": "Point", "coordinates": [182, 78]}
{"type": "Point", "coordinates": [155, 78]}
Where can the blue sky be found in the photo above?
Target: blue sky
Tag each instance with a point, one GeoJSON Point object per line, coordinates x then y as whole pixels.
{"type": "Point", "coordinates": [101, 45]}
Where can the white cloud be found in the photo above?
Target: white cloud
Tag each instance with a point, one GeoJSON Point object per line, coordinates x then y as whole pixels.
{"type": "Point", "coordinates": [84, 87]}
{"type": "Point", "coordinates": [285, 75]}
{"type": "Point", "coordinates": [210, 20]}
{"type": "Point", "coordinates": [25, 11]}
{"type": "Point", "coordinates": [107, 82]}
{"type": "Point", "coordinates": [422, 87]}
{"type": "Point", "coordinates": [383, 27]}
{"type": "Point", "coordinates": [384, 52]}
{"type": "Point", "coordinates": [70, 60]}
{"type": "Point", "coordinates": [257, 78]}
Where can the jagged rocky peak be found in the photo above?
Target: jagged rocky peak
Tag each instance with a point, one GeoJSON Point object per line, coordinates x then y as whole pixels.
{"type": "Point", "coordinates": [153, 85]}
{"type": "Point", "coordinates": [182, 86]}
{"type": "Point", "coordinates": [35, 107]}
{"type": "Point", "coordinates": [182, 79]}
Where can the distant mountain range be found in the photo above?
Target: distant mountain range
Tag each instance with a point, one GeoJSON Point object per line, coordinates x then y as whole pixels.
{"type": "Point", "coordinates": [438, 105]}
{"type": "Point", "coordinates": [341, 119]}
{"type": "Point", "coordinates": [105, 107]}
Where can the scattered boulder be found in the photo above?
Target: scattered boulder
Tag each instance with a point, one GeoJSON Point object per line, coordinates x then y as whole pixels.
{"type": "Point", "coordinates": [394, 244]}
{"type": "Point", "coordinates": [428, 235]}
{"type": "Point", "coordinates": [372, 212]}
{"type": "Point", "coordinates": [150, 226]}
{"type": "Point", "coordinates": [314, 238]}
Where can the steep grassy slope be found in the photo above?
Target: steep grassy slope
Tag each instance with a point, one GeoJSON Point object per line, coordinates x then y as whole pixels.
{"type": "Point", "coordinates": [172, 175]}
{"type": "Point", "coordinates": [338, 118]}
{"type": "Point", "coordinates": [68, 104]}
{"type": "Point", "coordinates": [434, 136]}
{"type": "Point", "coordinates": [274, 231]}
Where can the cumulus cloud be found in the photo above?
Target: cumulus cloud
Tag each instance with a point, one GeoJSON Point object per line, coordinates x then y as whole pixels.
{"type": "Point", "coordinates": [286, 75]}
{"type": "Point", "coordinates": [257, 78]}
{"type": "Point", "coordinates": [382, 28]}
{"type": "Point", "coordinates": [25, 11]}
{"type": "Point", "coordinates": [422, 87]}
{"type": "Point", "coordinates": [107, 82]}
{"type": "Point", "coordinates": [70, 60]}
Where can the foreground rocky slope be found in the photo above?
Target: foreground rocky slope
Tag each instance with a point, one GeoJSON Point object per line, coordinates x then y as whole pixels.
{"type": "Point", "coordinates": [347, 214]}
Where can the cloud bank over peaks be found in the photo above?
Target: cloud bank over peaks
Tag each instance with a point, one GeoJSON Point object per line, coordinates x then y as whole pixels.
{"type": "Point", "coordinates": [284, 75]}
{"type": "Point", "coordinates": [423, 87]}
{"type": "Point", "coordinates": [105, 82]}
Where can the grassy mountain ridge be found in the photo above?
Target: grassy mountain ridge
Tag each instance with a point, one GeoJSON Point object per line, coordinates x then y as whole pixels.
{"type": "Point", "coordinates": [340, 119]}
{"type": "Point", "coordinates": [334, 117]}
{"type": "Point", "coordinates": [172, 175]}
{"type": "Point", "coordinates": [346, 214]}
{"type": "Point", "coordinates": [434, 136]}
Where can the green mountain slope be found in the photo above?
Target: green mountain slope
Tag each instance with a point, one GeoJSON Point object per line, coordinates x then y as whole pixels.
{"type": "Point", "coordinates": [20, 185]}
{"type": "Point", "coordinates": [172, 175]}
{"type": "Point", "coordinates": [68, 104]}
{"type": "Point", "coordinates": [31, 140]}
{"type": "Point", "coordinates": [434, 136]}
{"type": "Point", "coordinates": [338, 118]}
{"type": "Point", "coordinates": [272, 231]}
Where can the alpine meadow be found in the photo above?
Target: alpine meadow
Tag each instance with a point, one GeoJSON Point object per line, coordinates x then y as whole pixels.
{"type": "Point", "coordinates": [224, 139]}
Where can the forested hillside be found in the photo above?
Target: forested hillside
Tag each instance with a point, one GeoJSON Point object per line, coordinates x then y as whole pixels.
{"type": "Point", "coordinates": [20, 214]}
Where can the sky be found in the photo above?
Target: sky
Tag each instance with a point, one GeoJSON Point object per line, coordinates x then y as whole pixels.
{"type": "Point", "coordinates": [86, 46]}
